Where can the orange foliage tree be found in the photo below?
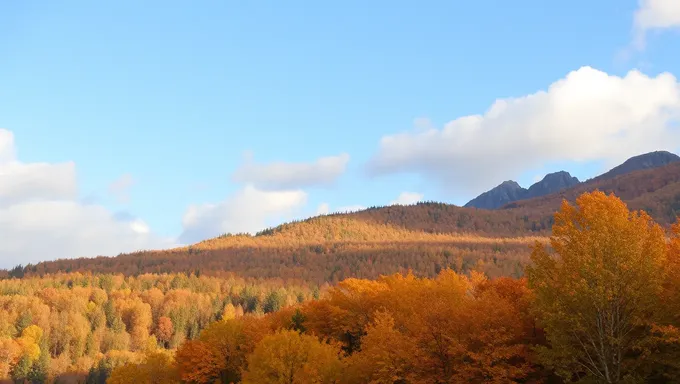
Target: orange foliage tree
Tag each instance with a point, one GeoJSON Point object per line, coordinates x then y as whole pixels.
{"type": "Point", "coordinates": [597, 294]}
{"type": "Point", "coordinates": [220, 351]}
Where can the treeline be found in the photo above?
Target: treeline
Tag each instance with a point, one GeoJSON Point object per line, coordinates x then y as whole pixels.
{"type": "Point", "coordinates": [68, 325]}
{"type": "Point", "coordinates": [601, 305]}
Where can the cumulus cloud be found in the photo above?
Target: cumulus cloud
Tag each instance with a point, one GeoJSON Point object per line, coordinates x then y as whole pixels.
{"type": "Point", "coordinates": [38, 181]}
{"type": "Point", "coordinates": [325, 209]}
{"type": "Point", "coordinates": [283, 176]}
{"type": "Point", "coordinates": [7, 152]}
{"type": "Point", "coordinates": [407, 198]}
{"type": "Point", "coordinates": [350, 208]}
{"type": "Point", "coordinates": [35, 181]}
{"type": "Point", "coordinates": [120, 188]}
{"type": "Point", "coordinates": [248, 210]}
{"type": "Point", "coordinates": [655, 14]}
{"type": "Point", "coordinates": [586, 116]}
{"type": "Point", "coordinates": [41, 217]}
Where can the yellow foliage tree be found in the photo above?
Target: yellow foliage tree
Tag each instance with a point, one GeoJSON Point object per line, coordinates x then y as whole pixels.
{"type": "Point", "coordinates": [597, 293]}
{"type": "Point", "coordinates": [156, 368]}
{"type": "Point", "coordinates": [288, 357]}
{"type": "Point", "coordinates": [30, 342]}
{"type": "Point", "coordinates": [229, 312]}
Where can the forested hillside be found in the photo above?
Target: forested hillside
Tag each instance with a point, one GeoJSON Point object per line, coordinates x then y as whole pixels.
{"type": "Point", "coordinates": [324, 249]}
{"type": "Point", "coordinates": [425, 237]}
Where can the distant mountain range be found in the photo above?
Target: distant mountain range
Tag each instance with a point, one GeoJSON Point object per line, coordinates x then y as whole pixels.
{"type": "Point", "coordinates": [510, 191]}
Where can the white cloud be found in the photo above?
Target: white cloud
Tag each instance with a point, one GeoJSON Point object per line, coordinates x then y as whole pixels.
{"type": "Point", "coordinates": [284, 176]}
{"type": "Point", "coordinates": [41, 218]}
{"type": "Point", "coordinates": [588, 115]}
{"type": "Point", "coordinates": [407, 198]}
{"type": "Point", "coordinates": [323, 209]}
{"type": "Point", "coordinates": [45, 230]}
{"type": "Point", "coordinates": [35, 181]}
{"type": "Point", "coordinates": [350, 208]}
{"type": "Point", "coordinates": [120, 188]}
{"type": "Point", "coordinates": [7, 152]}
{"type": "Point", "coordinates": [249, 210]}
{"type": "Point", "coordinates": [655, 14]}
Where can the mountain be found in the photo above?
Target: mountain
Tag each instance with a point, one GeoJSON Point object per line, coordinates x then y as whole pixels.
{"type": "Point", "coordinates": [654, 190]}
{"type": "Point", "coordinates": [510, 191]}
{"type": "Point", "coordinates": [551, 183]}
{"type": "Point", "coordinates": [645, 161]}
{"type": "Point", "coordinates": [506, 192]}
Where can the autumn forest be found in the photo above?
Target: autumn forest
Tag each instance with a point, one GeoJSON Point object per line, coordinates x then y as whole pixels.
{"type": "Point", "coordinates": [596, 301]}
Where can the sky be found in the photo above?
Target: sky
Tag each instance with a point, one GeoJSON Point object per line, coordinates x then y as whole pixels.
{"type": "Point", "coordinates": [134, 125]}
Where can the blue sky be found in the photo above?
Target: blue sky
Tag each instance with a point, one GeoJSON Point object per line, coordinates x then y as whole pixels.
{"type": "Point", "coordinates": [168, 100]}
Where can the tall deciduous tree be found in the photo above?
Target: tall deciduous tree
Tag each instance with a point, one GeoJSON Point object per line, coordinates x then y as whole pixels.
{"type": "Point", "coordinates": [288, 357]}
{"type": "Point", "coordinates": [164, 330]}
{"type": "Point", "coordinates": [597, 293]}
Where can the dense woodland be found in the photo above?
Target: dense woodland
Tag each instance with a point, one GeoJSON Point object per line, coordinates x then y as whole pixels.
{"type": "Point", "coordinates": [65, 324]}
{"type": "Point", "coordinates": [598, 304]}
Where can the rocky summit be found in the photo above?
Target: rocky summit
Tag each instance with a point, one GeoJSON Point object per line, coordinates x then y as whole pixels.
{"type": "Point", "coordinates": [510, 191]}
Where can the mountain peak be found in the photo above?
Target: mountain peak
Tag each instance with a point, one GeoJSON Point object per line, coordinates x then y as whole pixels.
{"type": "Point", "coordinates": [502, 194]}
{"type": "Point", "coordinates": [509, 184]}
{"type": "Point", "coordinates": [551, 183]}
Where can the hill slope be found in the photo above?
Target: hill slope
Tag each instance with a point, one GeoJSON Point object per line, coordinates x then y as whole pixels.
{"type": "Point", "coordinates": [321, 249]}
{"type": "Point", "coordinates": [424, 237]}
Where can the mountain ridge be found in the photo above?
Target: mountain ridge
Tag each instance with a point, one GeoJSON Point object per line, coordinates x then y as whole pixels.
{"type": "Point", "coordinates": [510, 191]}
